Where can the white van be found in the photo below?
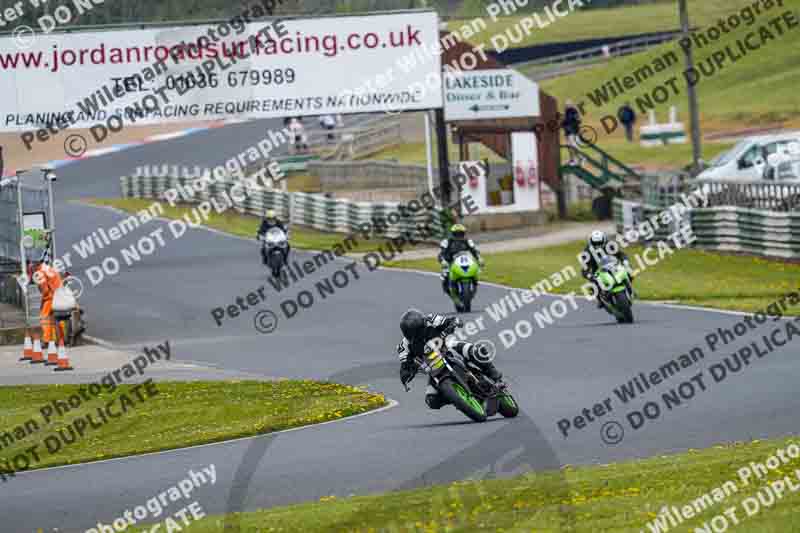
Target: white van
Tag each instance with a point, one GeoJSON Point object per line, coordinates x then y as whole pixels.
{"type": "Point", "coordinates": [749, 159]}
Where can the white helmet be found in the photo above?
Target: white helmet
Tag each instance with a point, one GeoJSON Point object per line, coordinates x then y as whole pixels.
{"type": "Point", "coordinates": [598, 239]}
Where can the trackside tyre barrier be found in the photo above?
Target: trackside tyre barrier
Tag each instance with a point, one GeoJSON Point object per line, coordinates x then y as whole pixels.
{"type": "Point", "coordinates": [381, 219]}
{"type": "Point", "coordinates": [727, 228]}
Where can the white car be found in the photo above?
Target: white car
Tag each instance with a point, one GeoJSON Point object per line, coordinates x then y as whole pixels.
{"type": "Point", "coordinates": [748, 159]}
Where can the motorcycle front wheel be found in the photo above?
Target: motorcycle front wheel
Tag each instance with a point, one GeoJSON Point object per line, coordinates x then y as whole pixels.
{"type": "Point", "coordinates": [508, 406]}
{"type": "Point", "coordinates": [623, 303]}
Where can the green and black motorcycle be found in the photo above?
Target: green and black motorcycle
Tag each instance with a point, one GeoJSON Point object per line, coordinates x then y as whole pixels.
{"type": "Point", "coordinates": [616, 291]}
{"type": "Point", "coordinates": [463, 278]}
{"type": "Point", "coordinates": [464, 385]}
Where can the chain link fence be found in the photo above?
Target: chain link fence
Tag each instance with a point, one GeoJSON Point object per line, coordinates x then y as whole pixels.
{"type": "Point", "coordinates": [34, 200]}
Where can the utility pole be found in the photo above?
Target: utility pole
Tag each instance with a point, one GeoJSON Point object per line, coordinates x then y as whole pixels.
{"type": "Point", "coordinates": [444, 159]}
{"type": "Point", "coordinates": [694, 118]}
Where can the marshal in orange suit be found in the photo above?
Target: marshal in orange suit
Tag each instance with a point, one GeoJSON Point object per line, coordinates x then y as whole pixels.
{"type": "Point", "coordinates": [48, 280]}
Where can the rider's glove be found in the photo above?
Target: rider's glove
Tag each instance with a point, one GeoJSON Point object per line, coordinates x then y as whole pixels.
{"type": "Point", "coordinates": [453, 322]}
{"type": "Point", "coordinates": [443, 263]}
{"type": "Point", "coordinates": [629, 269]}
{"type": "Point", "coordinates": [407, 372]}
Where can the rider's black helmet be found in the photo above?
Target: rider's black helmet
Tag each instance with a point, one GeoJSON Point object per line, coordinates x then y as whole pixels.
{"type": "Point", "coordinates": [412, 324]}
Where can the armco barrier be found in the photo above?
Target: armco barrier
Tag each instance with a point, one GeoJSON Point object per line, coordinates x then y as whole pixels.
{"type": "Point", "coordinates": [754, 231]}
{"type": "Point", "coordinates": [727, 228]}
{"type": "Point", "coordinates": [306, 209]}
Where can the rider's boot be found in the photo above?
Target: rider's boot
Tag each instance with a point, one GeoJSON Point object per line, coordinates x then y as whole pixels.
{"type": "Point", "coordinates": [445, 285]}
{"type": "Point", "coordinates": [433, 399]}
{"type": "Point", "coordinates": [597, 288]}
{"type": "Point", "coordinates": [491, 371]}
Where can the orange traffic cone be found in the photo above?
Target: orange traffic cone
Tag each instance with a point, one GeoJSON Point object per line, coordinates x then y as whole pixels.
{"type": "Point", "coordinates": [52, 354]}
{"type": "Point", "coordinates": [38, 356]}
{"type": "Point", "coordinates": [27, 349]}
{"type": "Point", "coordinates": [63, 360]}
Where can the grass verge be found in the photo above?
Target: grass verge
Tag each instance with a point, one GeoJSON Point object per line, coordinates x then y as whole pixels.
{"type": "Point", "coordinates": [620, 497]}
{"type": "Point", "coordinates": [691, 277]}
{"type": "Point", "coordinates": [178, 414]}
{"type": "Point", "coordinates": [245, 225]}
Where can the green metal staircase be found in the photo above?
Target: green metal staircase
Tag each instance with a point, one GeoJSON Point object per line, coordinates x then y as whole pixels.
{"type": "Point", "coordinates": [599, 169]}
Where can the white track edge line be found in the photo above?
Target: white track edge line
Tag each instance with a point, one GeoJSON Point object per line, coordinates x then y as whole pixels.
{"type": "Point", "coordinates": [392, 403]}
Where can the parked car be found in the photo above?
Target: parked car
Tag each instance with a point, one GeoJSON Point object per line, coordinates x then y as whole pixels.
{"type": "Point", "coordinates": [747, 160]}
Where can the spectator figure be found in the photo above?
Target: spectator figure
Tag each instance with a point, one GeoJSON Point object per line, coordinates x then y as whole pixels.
{"type": "Point", "coordinates": [328, 123]}
{"type": "Point", "coordinates": [1, 161]}
{"type": "Point", "coordinates": [299, 139]}
{"type": "Point", "coordinates": [627, 116]}
{"type": "Point", "coordinates": [572, 126]}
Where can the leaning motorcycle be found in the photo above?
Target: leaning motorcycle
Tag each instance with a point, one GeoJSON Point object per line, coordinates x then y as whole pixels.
{"type": "Point", "coordinates": [463, 281]}
{"type": "Point", "coordinates": [616, 291]}
{"type": "Point", "coordinates": [463, 384]}
{"type": "Point", "coordinates": [274, 245]}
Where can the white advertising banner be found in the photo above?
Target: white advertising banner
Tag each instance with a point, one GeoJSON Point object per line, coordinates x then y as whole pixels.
{"type": "Point", "coordinates": [484, 94]}
{"type": "Point", "coordinates": [258, 70]}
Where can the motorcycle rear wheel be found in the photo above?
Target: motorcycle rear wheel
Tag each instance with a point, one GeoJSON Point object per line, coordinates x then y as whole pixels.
{"type": "Point", "coordinates": [462, 400]}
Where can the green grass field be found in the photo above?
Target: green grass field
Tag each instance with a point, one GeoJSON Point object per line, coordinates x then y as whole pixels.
{"type": "Point", "coordinates": [620, 497]}
{"type": "Point", "coordinates": [691, 277]}
{"type": "Point", "coordinates": [758, 89]}
{"type": "Point", "coordinates": [674, 156]}
{"type": "Point", "coordinates": [245, 225]}
{"type": "Point", "coordinates": [595, 23]}
{"type": "Point", "coordinates": [175, 416]}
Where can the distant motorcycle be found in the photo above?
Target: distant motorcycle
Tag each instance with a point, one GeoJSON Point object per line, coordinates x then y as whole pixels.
{"type": "Point", "coordinates": [274, 245]}
{"type": "Point", "coordinates": [464, 385]}
{"type": "Point", "coordinates": [616, 291]}
{"type": "Point", "coordinates": [463, 281]}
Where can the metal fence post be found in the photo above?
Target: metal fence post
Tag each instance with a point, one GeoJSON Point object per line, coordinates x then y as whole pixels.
{"type": "Point", "coordinates": [22, 258]}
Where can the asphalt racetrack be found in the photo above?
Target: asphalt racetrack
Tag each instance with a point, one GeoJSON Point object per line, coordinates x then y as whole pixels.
{"type": "Point", "coordinates": [350, 337]}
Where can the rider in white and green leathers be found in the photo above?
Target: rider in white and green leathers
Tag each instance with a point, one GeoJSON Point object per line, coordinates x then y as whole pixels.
{"type": "Point", "coordinates": [596, 247]}
{"type": "Point", "coordinates": [448, 248]}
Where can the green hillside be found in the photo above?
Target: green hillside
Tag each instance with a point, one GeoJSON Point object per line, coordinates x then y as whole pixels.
{"type": "Point", "coordinates": [588, 24]}
{"type": "Point", "coordinates": [759, 88]}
